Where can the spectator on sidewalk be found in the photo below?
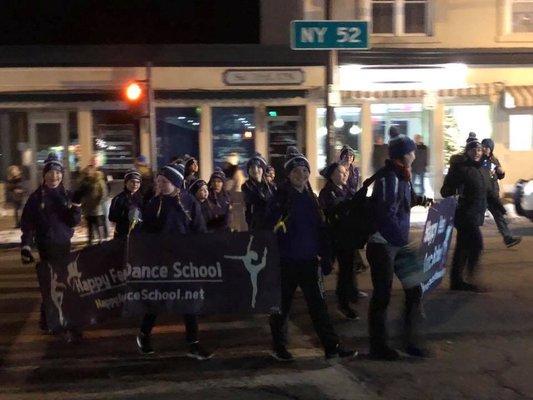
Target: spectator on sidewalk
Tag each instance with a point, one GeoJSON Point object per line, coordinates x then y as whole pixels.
{"type": "Point", "coordinates": [380, 152]}
{"type": "Point", "coordinates": [93, 193]}
{"type": "Point", "coordinates": [420, 166]}
{"type": "Point", "coordinates": [15, 191]}
{"type": "Point", "coordinates": [347, 158]}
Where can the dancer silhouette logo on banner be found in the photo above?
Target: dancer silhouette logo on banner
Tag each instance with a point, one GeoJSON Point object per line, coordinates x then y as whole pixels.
{"type": "Point", "coordinates": [250, 260]}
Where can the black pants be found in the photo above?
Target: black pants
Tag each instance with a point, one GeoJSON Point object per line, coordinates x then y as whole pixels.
{"type": "Point", "coordinates": [381, 258]}
{"type": "Point", "coordinates": [499, 219]}
{"type": "Point", "coordinates": [304, 274]}
{"type": "Point", "coordinates": [96, 225]}
{"type": "Point", "coordinates": [346, 278]}
{"type": "Point", "coordinates": [191, 326]}
{"type": "Point", "coordinates": [468, 248]}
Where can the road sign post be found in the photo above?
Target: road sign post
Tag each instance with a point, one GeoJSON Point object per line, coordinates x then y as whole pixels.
{"type": "Point", "coordinates": [329, 35]}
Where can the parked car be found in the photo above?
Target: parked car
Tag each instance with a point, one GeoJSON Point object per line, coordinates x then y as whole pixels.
{"type": "Point", "coordinates": [523, 198]}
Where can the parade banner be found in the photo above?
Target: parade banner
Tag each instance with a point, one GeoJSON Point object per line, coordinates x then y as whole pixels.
{"type": "Point", "coordinates": [232, 273]}
{"type": "Point", "coordinates": [86, 287]}
{"type": "Point", "coordinates": [436, 242]}
{"type": "Point", "coordinates": [426, 264]}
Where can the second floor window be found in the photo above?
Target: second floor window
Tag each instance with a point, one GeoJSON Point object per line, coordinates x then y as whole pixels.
{"type": "Point", "coordinates": [522, 16]}
{"type": "Point", "coordinates": [400, 17]}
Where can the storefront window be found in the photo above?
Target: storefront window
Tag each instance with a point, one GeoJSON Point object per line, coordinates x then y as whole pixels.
{"type": "Point", "coordinates": [347, 131]}
{"type": "Point", "coordinates": [459, 121]}
{"type": "Point", "coordinates": [115, 141]}
{"type": "Point", "coordinates": [178, 131]}
{"type": "Point", "coordinates": [233, 134]}
{"type": "Point", "coordinates": [521, 132]}
{"type": "Point", "coordinates": [407, 117]}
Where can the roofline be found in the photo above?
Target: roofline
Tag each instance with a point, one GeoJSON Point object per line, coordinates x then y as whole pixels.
{"type": "Point", "coordinates": [245, 55]}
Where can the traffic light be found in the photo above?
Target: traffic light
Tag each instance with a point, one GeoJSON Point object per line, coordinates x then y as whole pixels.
{"type": "Point", "coordinates": [135, 96]}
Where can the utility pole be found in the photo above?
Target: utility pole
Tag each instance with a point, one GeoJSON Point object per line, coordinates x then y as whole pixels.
{"type": "Point", "coordinates": [151, 117]}
{"type": "Point", "coordinates": [330, 88]}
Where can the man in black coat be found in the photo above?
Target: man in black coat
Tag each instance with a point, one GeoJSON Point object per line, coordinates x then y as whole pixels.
{"type": "Point", "coordinates": [468, 179]}
{"type": "Point", "coordinates": [419, 165]}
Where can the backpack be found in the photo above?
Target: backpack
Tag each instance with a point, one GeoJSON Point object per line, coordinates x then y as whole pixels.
{"type": "Point", "coordinates": [352, 221]}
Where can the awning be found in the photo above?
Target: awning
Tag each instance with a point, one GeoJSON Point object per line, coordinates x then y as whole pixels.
{"type": "Point", "coordinates": [518, 96]}
{"type": "Point", "coordinates": [481, 89]}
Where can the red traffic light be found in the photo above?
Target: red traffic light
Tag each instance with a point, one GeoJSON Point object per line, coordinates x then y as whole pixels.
{"type": "Point", "coordinates": [133, 92]}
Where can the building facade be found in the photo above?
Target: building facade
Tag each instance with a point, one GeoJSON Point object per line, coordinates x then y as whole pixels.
{"type": "Point", "coordinates": [438, 68]}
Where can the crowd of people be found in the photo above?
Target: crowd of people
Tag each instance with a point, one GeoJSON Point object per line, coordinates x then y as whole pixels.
{"type": "Point", "coordinates": [177, 201]}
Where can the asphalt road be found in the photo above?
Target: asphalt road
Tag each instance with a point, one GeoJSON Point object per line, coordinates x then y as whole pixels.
{"type": "Point", "coordinates": [483, 347]}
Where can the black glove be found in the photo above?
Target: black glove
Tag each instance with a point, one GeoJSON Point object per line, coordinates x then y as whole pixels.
{"type": "Point", "coordinates": [26, 256]}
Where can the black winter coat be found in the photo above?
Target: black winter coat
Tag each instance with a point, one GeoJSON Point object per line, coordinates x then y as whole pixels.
{"type": "Point", "coordinates": [121, 205]}
{"type": "Point", "coordinates": [49, 218]}
{"type": "Point", "coordinates": [472, 183]}
{"type": "Point", "coordinates": [179, 214]}
{"type": "Point", "coordinates": [330, 197]}
{"type": "Point", "coordinates": [256, 197]}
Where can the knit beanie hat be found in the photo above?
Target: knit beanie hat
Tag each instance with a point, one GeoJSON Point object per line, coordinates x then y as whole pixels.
{"type": "Point", "coordinates": [471, 137]}
{"type": "Point", "coordinates": [328, 171]}
{"type": "Point", "coordinates": [218, 174]}
{"type": "Point", "coordinates": [346, 150]}
{"type": "Point", "coordinates": [293, 159]}
{"type": "Point", "coordinates": [488, 143]}
{"type": "Point", "coordinates": [196, 185]}
{"type": "Point", "coordinates": [132, 174]}
{"type": "Point", "coordinates": [258, 160]}
{"type": "Point", "coordinates": [472, 144]}
{"type": "Point", "coordinates": [399, 145]}
{"type": "Point", "coordinates": [189, 163]}
{"type": "Point", "coordinates": [52, 163]}
{"type": "Point", "coordinates": [173, 175]}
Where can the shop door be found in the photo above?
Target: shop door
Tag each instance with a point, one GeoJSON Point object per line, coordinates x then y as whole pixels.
{"type": "Point", "coordinates": [48, 133]}
{"type": "Point", "coordinates": [284, 131]}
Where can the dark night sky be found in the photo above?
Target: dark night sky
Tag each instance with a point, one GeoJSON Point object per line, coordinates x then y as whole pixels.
{"type": "Point", "coordinates": [128, 21]}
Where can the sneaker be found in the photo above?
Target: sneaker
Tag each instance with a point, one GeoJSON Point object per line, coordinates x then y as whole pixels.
{"type": "Point", "coordinates": [417, 351]}
{"type": "Point", "coordinates": [282, 354]}
{"type": "Point", "coordinates": [144, 344]}
{"type": "Point", "coordinates": [340, 352]}
{"type": "Point", "coordinates": [512, 241]}
{"type": "Point", "coordinates": [198, 353]}
{"type": "Point", "coordinates": [361, 294]}
{"type": "Point", "coordinates": [384, 353]}
{"type": "Point", "coordinates": [348, 313]}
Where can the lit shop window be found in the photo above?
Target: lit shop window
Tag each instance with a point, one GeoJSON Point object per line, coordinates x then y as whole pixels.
{"type": "Point", "coordinates": [233, 135]}
{"type": "Point", "coordinates": [347, 131]}
{"type": "Point", "coordinates": [177, 133]}
{"type": "Point", "coordinates": [521, 132]}
{"type": "Point", "coordinates": [522, 16]}
{"type": "Point", "coordinates": [400, 17]}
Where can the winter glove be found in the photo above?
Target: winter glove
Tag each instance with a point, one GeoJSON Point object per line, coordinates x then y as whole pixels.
{"type": "Point", "coordinates": [26, 256]}
{"type": "Point", "coordinates": [326, 266]}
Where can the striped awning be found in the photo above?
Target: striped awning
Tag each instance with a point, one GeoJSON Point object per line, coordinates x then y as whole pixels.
{"type": "Point", "coordinates": [481, 89]}
{"type": "Point", "coordinates": [518, 96]}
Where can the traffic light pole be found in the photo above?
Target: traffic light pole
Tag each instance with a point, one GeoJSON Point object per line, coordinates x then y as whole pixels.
{"type": "Point", "coordinates": [331, 67]}
{"type": "Point", "coordinates": [151, 117]}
